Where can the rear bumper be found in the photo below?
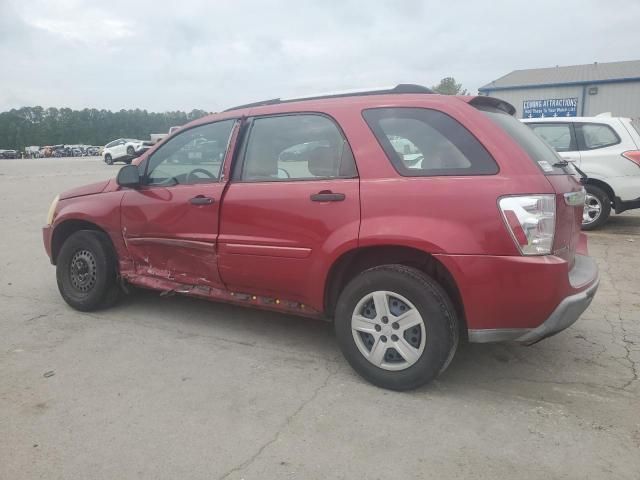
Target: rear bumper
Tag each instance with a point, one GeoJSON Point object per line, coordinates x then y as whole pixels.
{"type": "Point", "coordinates": [585, 274]}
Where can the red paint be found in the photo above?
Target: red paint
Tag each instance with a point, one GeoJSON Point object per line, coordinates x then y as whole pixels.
{"type": "Point", "coordinates": [269, 241]}
{"type": "Point", "coordinates": [281, 216]}
{"type": "Point", "coordinates": [189, 231]}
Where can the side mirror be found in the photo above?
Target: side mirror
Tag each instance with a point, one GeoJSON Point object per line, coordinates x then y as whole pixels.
{"type": "Point", "coordinates": [128, 176]}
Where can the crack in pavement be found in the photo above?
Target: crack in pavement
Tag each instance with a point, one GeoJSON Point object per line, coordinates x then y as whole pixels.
{"type": "Point", "coordinates": [287, 422]}
{"type": "Point", "coordinates": [625, 342]}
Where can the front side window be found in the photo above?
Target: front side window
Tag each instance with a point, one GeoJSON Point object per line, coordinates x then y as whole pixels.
{"type": "Point", "coordinates": [296, 147]}
{"type": "Point", "coordinates": [193, 156]}
{"type": "Point", "coordinates": [596, 135]}
{"type": "Point", "coordinates": [557, 135]}
{"type": "Point", "coordinates": [425, 142]}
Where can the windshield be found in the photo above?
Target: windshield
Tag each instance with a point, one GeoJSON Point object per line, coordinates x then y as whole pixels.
{"type": "Point", "coordinates": [540, 152]}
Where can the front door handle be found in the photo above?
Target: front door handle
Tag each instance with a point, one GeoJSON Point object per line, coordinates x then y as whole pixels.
{"type": "Point", "coordinates": [201, 200]}
{"type": "Point", "coordinates": [327, 196]}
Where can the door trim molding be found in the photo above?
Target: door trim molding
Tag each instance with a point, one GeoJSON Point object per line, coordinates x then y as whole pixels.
{"type": "Point", "coordinates": [265, 250]}
{"type": "Point", "coordinates": [172, 242]}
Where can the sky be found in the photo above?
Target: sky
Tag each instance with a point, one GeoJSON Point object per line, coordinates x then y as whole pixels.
{"type": "Point", "coordinates": [212, 54]}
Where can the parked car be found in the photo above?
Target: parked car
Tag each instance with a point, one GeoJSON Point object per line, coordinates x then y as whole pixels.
{"type": "Point", "coordinates": [607, 150]}
{"type": "Point", "coordinates": [46, 151]}
{"type": "Point", "coordinates": [61, 151]}
{"type": "Point", "coordinates": [93, 151]}
{"type": "Point", "coordinates": [9, 154]}
{"type": "Point", "coordinates": [124, 150]}
{"type": "Point", "coordinates": [482, 240]}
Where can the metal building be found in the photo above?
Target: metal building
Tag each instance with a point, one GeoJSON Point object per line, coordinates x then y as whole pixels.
{"type": "Point", "coordinates": [577, 90]}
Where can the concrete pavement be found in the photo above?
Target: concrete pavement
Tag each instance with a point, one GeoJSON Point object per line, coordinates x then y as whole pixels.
{"type": "Point", "coordinates": [174, 387]}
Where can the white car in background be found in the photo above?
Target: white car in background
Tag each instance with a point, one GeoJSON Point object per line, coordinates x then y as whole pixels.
{"type": "Point", "coordinates": [607, 150]}
{"type": "Point", "coordinates": [124, 149]}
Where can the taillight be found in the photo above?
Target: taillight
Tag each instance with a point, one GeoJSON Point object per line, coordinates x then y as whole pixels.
{"type": "Point", "coordinates": [633, 155]}
{"type": "Point", "coordinates": [531, 220]}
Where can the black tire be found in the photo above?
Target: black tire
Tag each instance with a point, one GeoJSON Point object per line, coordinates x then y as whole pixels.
{"type": "Point", "coordinates": [108, 159]}
{"type": "Point", "coordinates": [97, 288]}
{"type": "Point", "coordinates": [600, 196]}
{"type": "Point", "coordinates": [433, 304]}
{"type": "Point", "coordinates": [130, 151]}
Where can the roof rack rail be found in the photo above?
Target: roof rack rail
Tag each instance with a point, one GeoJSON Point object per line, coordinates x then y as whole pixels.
{"type": "Point", "coordinates": [400, 88]}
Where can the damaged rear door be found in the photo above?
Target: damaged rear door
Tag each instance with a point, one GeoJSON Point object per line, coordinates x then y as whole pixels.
{"type": "Point", "coordinates": [170, 223]}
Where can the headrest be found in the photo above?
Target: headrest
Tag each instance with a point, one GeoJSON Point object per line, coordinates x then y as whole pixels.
{"type": "Point", "coordinates": [323, 162]}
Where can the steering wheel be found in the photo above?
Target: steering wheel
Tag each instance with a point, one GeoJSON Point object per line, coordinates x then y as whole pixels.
{"type": "Point", "coordinates": [191, 176]}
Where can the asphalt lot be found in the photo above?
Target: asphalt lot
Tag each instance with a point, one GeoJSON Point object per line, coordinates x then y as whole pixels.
{"type": "Point", "coordinates": [174, 387]}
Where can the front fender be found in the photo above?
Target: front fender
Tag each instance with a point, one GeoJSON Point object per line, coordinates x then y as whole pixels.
{"type": "Point", "coordinates": [101, 211]}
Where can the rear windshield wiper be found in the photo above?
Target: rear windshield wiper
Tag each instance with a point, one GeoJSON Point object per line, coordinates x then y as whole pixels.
{"type": "Point", "coordinates": [564, 163]}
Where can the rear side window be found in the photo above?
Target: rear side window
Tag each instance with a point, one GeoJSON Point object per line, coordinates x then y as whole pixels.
{"type": "Point", "coordinates": [596, 135]}
{"type": "Point", "coordinates": [558, 135]}
{"type": "Point", "coordinates": [537, 149]}
{"type": "Point", "coordinates": [296, 147]}
{"type": "Point", "coordinates": [425, 142]}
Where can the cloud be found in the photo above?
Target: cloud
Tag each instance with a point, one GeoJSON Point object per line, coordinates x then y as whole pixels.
{"type": "Point", "coordinates": [164, 55]}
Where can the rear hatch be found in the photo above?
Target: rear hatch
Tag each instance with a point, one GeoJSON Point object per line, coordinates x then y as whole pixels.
{"type": "Point", "coordinates": [562, 176]}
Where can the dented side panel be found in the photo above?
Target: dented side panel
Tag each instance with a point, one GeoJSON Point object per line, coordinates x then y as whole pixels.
{"type": "Point", "coordinates": [169, 237]}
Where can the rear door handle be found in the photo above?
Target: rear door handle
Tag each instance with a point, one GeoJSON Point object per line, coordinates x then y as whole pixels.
{"type": "Point", "coordinates": [327, 196]}
{"type": "Point", "coordinates": [201, 200]}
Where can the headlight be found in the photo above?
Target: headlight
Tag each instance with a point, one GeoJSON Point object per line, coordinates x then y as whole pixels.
{"type": "Point", "coordinates": [52, 210]}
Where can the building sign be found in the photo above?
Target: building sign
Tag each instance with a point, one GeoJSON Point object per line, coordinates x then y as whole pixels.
{"type": "Point", "coordinates": [552, 107]}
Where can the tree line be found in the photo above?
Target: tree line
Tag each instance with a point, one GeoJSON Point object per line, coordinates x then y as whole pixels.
{"type": "Point", "coordinates": [40, 126]}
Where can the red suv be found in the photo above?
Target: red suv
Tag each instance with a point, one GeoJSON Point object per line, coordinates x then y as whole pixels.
{"type": "Point", "coordinates": [410, 219]}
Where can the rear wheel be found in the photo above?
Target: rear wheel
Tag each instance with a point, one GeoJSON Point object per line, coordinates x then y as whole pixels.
{"type": "Point", "coordinates": [108, 159]}
{"type": "Point", "coordinates": [396, 327]}
{"type": "Point", "coordinates": [597, 208]}
{"type": "Point", "coordinates": [86, 271]}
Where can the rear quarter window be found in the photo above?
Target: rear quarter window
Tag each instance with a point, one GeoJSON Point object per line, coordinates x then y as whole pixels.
{"type": "Point", "coordinates": [424, 142]}
{"type": "Point", "coordinates": [592, 136]}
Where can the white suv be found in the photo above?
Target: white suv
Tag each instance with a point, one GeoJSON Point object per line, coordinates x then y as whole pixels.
{"type": "Point", "coordinates": [607, 150]}
{"type": "Point", "coordinates": [124, 149]}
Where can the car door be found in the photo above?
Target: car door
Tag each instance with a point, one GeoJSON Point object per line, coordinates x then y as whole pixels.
{"type": "Point", "coordinates": [170, 223]}
{"type": "Point", "coordinates": [117, 150]}
{"type": "Point", "coordinates": [283, 215]}
{"type": "Point", "coordinates": [561, 136]}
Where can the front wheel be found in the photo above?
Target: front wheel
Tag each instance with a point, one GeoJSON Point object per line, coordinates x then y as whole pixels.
{"type": "Point", "coordinates": [396, 327]}
{"type": "Point", "coordinates": [130, 151]}
{"type": "Point", "coordinates": [86, 271]}
{"type": "Point", "coordinates": [597, 208]}
{"type": "Point", "coordinates": [108, 159]}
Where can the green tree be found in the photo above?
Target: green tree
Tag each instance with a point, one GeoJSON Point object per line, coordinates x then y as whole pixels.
{"type": "Point", "coordinates": [27, 126]}
{"type": "Point", "coordinates": [448, 86]}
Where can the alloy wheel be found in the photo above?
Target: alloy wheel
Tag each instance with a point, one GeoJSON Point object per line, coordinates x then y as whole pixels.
{"type": "Point", "coordinates": [592, 209]}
